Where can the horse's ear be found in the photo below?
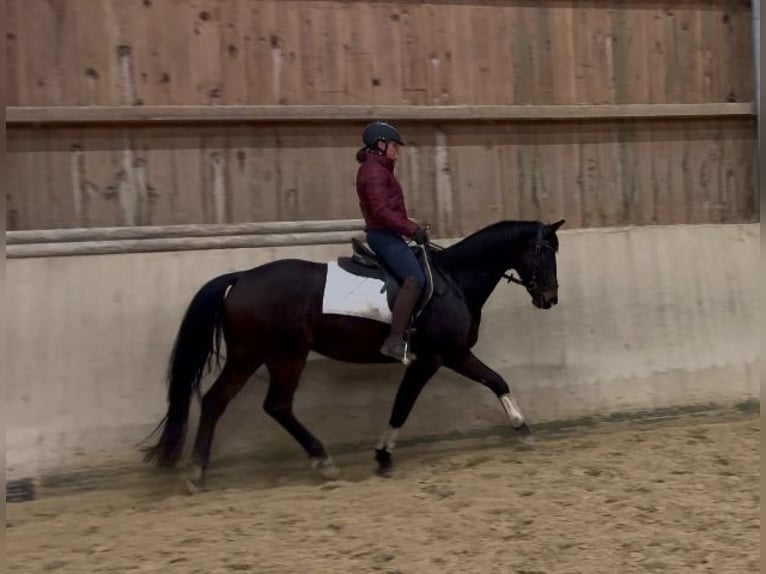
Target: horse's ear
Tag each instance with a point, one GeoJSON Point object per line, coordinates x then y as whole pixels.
{"type": "Point", "coordinates": [555, 226]}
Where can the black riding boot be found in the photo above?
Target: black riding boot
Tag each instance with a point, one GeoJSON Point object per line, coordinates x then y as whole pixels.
{"type": "Point", "coordinates": [404, 305]}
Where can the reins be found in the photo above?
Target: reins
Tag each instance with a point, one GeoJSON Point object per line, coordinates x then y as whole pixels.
{"type": "Point", "coordinates": [530, 285]}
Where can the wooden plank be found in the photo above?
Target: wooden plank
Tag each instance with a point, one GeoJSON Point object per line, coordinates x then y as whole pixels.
{"type": "Point", "coordinates": [479, 70]}
{"type": "Point", "coordinates": [441, 69]}
{"type": "Point", "coordinates": [164, 66]}
{"type": "Point", "coordinates": [13, 66]}
{"type": "Point", "coordinates": [627, 185]}
{"type": "Point", "coordinates": [241, 174]}
{"type": "Point", "coordinates": [206, 60]}
{"type": "Point", "coordinates": [307, 65]}
{"type": "Point", "coordinates": [360, 55]}
{"type": "Point", "coordinates": [562, 47]}
{"type": "Point", "coordinates": [503, 52]}
{"type": "Point", "coordinates": [656, 40]}
{"type": "Point", "coordinates": [264, 155]}
{"type": "Point", "coordinates": [662, 174]}
{"type": "Point", "coordinates": [262, 52]}
{"type": "Point", "coordinates": [37, 191]}
{"type": "Point", "coordinates": [39, 115]}
{"type": "Point", "coordinates": [642, 193]}
{"type": "Point", "coordinates": [570, 155]}
{"type": "Point", "coordinates": [604, 39]}
{"type": "Point", "coordinates": [233, 51]}
{"type": "Point", "coordinates": [478, 191]}
{"type": "Point", "coordinates": [159, 204]}
{"type": "Point", "coordinates": [38, 81]}
{"type": "Point", "coordinates": [381, 45]}
{"type": "Point", "coordinates": [696, 179]}
{"type": "Point", "coordinates": [176, 78]}
{"type": "Point", "coordinates": [739, 48]}
{"type": "Point", "coordinates": [180, 231]}
{"type": "Point", "coordinates": [329, 53]}
{"type": "Point", "coordinates": [609, 191]}
{"type": "Point", "coordinates": [164, 175]}
{"type": "Point", "coordinates": [583, 59]}
{"type": "Point", "coordinates": [123, 31]}
{"type": "Point", "coordinates": [337, 187]}
{"type": "Point", "coordinates": [543, 56]}
{"type": "Point", "coordinates": [522, 66]}
{"type": "Point", "coordinates": [97, 74]}
{"type": "Point", "coordinates": [677, 156]}
{"type": "Point", "coordinates": [249, 46]}
{"type": "Point", "coordinates": [98, 179]}
{"type": "Point", "coordinates": [216, 192]}
{"type": "Point", "coordinates": [416, 37]}
{"type": "Point", "coordinates": [708, 53]}
{"type": "Point", "coordinates": [188, 172]}
{"type": "Point", "coordinates": [345, 22]}
{"type": "Point", "coordinates": [16, 184]}
{"type": "Point", "coordinates": [288, 167]}
{"type": "Point", "coordinates": [64, 171]}
{"type": "Point", "coordinates": [174, 244]}
{"type": "Point", "coordinates": [738, 157]}
{"type": "Point", "coordinates": [630, 57]}
{"type": "Point", "coordinates": [68, 49]}
{"type": "Point", "coordinates": [286, 41]}
{"type": "Point", "coordinates": [415, 171]}
{"type": "Point", "coordinates": [590, 174]}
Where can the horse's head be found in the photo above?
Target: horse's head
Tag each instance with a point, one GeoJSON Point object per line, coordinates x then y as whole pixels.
{"type": "Point", "coordinates": [537, 266]}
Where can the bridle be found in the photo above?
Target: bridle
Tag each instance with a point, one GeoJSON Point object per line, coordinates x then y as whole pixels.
{"type": "Point", "coordinates": [531, 285]}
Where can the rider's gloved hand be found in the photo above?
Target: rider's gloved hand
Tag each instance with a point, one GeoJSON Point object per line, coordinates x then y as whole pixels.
{"type": "Point", "coordinates": [421, 236]}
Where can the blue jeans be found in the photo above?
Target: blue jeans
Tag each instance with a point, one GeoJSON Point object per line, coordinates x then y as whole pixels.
{"type": "Point", "coordinates": [393, 250]}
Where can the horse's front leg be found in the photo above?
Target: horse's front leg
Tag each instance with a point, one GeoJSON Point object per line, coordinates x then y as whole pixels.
{"type": "Point", "coordinates": [470, 366]}
{"type": "Point", "coordinates": [415, 378]}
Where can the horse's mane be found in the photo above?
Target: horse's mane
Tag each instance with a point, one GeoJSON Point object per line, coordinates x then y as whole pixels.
{"type": "Point", "coordinates": [485, 241]}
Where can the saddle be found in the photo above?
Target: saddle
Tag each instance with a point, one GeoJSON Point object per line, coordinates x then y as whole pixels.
{"type": "Point", "coordinates": [364, 263]}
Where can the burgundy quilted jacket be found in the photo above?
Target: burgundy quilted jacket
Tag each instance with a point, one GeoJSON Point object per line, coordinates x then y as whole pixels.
{"type": "Point", "coordinates": [381, 198]}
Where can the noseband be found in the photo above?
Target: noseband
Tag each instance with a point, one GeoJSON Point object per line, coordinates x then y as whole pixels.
{"type": "Point", "coordinates": [531, 285]}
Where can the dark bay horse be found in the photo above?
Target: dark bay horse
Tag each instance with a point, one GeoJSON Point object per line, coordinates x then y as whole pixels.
{"type": "Point", "coordinates": [272, 315]}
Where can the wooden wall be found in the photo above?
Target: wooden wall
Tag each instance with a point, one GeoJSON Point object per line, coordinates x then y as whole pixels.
{"type": "Point", "coordinates": [110, 52]}
{"type": "Point", "coordinates": [458, 175]}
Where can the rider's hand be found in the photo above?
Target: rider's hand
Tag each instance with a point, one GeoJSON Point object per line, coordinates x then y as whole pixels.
{"type": "Point", "coordinates": [421, 236]}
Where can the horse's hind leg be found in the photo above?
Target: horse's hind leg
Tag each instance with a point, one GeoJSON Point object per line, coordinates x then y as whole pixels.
{"type": "Point", "coordinates": [235, 374]}
{"type": "Point", "coordinates": [285, 375]}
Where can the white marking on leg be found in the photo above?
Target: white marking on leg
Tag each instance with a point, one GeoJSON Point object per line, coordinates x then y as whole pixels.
{"type": "Point", "coordinates": [194, 479]}
{"type": "Point", "coordinates": [196, 473]}
{"type": "Point", "coordinates": [388, 439]}
{"type": "Point", "coordinates": [512, 410]}
{"type": "Point", "coordinates": [326, 467]}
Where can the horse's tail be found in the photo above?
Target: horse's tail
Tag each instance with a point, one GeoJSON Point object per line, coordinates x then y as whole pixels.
{"type": "Point", "coordinates": [198, 337]}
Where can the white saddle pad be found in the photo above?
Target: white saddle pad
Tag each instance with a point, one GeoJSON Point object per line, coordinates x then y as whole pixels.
{"type": "Point", "coordinates": [349, 294]}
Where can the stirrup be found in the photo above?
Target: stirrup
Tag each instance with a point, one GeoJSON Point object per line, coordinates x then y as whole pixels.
{"type": "Point", "coordinates": [406, 358]}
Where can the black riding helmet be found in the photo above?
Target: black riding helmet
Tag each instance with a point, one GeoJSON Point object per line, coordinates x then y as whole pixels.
{"type": "Point", "coordinates": [377, 131]}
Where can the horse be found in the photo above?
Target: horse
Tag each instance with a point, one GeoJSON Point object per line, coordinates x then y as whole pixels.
{"type": "Point", "coordinates": [273, 315]}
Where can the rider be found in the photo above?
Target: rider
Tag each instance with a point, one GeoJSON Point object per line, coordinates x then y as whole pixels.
{"type": "Point", "coordinates": [382, 205]}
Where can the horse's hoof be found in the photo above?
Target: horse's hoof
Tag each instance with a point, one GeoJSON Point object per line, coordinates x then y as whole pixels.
{"type": "Point", "coordinates": [525, 435]}
{"type": "Point", "coordinates": [192, 487]}
{"type": "Point", "coordinates": [193, 481]}
{"type": "Point", "coordinates": [385, 463]}
{"type": "Point", "coordinates": [385, 471]}
{"type": "Point", "coordinates": [327, 468]}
